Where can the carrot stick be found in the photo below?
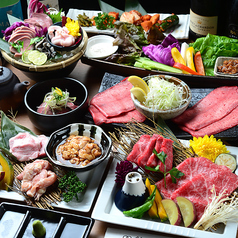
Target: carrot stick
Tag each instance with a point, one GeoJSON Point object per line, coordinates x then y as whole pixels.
{"type": "Point", "coordinates": [198, 63]}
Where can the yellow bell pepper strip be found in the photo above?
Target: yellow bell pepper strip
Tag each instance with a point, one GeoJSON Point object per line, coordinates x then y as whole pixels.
{"type": "Point", "coordinates": [185, 68]}
{"type": "Point", "coordinates": [161, 211]}
{"type": "Point", "coordinates": [178, 57]}
{"type": "Point", "coordinates": [198, 63]}
{"type": "Point", "coordinates": [189, 58]}
{"type": "Point", "coordinates": [153, 211]}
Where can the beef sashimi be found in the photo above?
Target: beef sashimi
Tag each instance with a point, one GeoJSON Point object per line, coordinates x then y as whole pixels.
{"type": "Point", "coordinates": [138, 148]}
{"type": "Point", "coordinates": [167, 147]}
{"type": "Point", "coordinates": [126, 117]}
{"type": "Point", "coordinates": [147, 152]}
{"type": "Point", "coordinates": [216, 105]}
{"type": "Point", "coordinates": [225, 123]}
{"type": "Point", "coordinates": [153, 160]}
{"type": "Point", "coordinates": [190, 167]}
{"type": "Point", "coordinates": [198, 189]}
{"type": "Point", "coordinates": [115, 100]}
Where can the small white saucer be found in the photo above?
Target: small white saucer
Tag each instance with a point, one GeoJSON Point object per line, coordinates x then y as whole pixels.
{"type": "Point", "coordinates": [100, 46]}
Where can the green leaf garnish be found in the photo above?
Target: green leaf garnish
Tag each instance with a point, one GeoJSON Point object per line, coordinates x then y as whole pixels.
{"type": "Point", "coordinates": [174, 172]}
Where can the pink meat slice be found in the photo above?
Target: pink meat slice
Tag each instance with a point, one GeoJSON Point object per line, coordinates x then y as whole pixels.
{"type": "Point", "coordinates": [190, 167]}
{"type": "Point", "coordinates": [225, 123]}
{"type": "Point", "coordinates": [216, 105]}
{"type": "Point", "coordinates": [147, 152]}
{"type": "Point", "coordinates": [26, 146]}
{"type": "Point", "coordinates": [126, 117]}
{"type": "Point", "coordinates": [167, 147]}
{"type": "Point", "coordinates": [138, 148]}
{"type": "Point", "coordinates": [198, 189]}
{"type": "Point", "coordinates": [115, 100]}
{"type": "Point", "coordinates": [153, 160]}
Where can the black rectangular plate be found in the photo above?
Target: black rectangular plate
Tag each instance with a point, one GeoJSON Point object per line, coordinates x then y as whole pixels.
{"type": "Point", "coordinates": [16, 221]}
{"type": "Point", "coordinates": [197, 94]}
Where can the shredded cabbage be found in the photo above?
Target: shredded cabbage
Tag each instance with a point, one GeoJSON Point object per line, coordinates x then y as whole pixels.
{"type": "Point", "coordinates": [164, 95]}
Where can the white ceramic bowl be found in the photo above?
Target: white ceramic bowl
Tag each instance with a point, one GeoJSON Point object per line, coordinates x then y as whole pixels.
{"type": "Point", "coordinates": [81, 129]}
{"type": "Point", "coordinates": [165, 114]}
{"type": "Point", "coordinates": [100, 46]}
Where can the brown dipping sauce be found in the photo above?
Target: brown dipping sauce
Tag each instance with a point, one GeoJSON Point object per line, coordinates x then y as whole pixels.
{"type": "Point", "coordinates": [228, 67]}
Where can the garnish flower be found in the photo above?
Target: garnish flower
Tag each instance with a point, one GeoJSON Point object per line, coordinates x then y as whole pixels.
{"type": "Point", "coordinates": [73, 27]}
{"type": "Point", "coordinates": [122, 169]}
{"type": "Point", "coordinates": [208, 147]}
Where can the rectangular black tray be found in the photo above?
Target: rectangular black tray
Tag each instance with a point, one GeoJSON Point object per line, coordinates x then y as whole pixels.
{"type": "Point", "coordinates": [197, 94]}
{"type": "Point", "coordinates": [16, 222]}
{"type": "Point", "coordinates": [192, 80]}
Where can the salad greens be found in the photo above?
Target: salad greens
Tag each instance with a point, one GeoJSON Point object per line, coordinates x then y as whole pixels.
{"type": "Point", "coordinates": [213, 46]}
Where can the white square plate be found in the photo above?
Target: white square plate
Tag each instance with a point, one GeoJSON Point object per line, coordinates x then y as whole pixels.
{"type": "Point", "coordinates": [105, 210]}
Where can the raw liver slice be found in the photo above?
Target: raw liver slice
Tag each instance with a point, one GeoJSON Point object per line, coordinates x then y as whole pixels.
{"type": "Point", "coordinates": [138, 148]}
{"type": "Point", "coordinates": [115, 100]}
{"type": "Point", "coordinates": [216, 105]}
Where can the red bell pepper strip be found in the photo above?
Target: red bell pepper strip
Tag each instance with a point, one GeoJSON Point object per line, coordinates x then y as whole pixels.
{"type": "Point", "coordinates": [185, 68]}
{"type": "Point", "coordinates": [198, 63]}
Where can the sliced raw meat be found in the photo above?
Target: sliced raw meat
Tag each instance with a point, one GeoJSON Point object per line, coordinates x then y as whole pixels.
{"type": "Point", "coordinates": [115, 100]}
{"type": "Point", "coordinates": [198, 189]}
{"type": "Point", "coordinates": [225, 123]}
{"type": "Point", "coordinates": [126, 117]}
{"type": "Point", "coordinates": [143, 158]}
{"type": "Point", "coordinates": [27, 147]}
{"type": "Point", "coordinates": [216, 105]}
{"type": "Point", "coordinates": [167, 147]}
{"type": "Point", "coordinates": [153, 161]}
{"type": "Point", "coordinates": [190, 167]}
{"type": "Point", "coordinates": [138, 148]}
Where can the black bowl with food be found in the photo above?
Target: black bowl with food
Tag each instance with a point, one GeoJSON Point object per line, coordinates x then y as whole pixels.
{"type": "Point", "coordinates": [59, 47]}
{"type": "Point", "coordinates": [78, 146]}
{"type": "Point", "coordinates": [48, 113]}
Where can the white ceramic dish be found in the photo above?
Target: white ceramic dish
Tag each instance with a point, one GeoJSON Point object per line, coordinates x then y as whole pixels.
{"type": "Point", "coordinates": [219, 61]}
{"type": "Point", "coordinates": [179, 32]}
{"type": "Point", "coordinates": [92, 178]}
{"type": "Point", "coordinates": [105, 210]}
{"type": "Point", "coordinates": [100, 46]}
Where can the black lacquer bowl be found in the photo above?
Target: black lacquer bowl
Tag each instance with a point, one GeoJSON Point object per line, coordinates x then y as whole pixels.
{"type": "Point", "coordinates": [50, 123]}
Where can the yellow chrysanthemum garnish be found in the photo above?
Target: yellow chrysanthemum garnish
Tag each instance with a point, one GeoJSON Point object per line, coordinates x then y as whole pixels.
{"type": "Point", "coordinates": [208, 147]}
{"type": "Point", "coordinates": [73, 27]}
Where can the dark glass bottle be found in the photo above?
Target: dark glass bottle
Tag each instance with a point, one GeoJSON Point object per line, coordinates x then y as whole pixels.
{"type": "Point", "coordinates": [203, 18]}
{"type": "Point", "coordinates": [233, 19]}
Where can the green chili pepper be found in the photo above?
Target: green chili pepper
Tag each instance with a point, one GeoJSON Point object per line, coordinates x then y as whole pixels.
{"type": "Point", "coordinates": [138, 212]}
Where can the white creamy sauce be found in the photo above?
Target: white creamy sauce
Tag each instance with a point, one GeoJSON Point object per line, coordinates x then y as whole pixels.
{"type": "Point", "coordinates": [100, 49]}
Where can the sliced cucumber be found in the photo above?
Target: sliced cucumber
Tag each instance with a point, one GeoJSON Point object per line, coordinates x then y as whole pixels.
{"type": "Point", "coordinates": [227, 160]}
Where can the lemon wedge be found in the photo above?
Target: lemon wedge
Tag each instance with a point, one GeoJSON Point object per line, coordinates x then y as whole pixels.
{"type": "Point", "coordinates": [139, 93]}
{"type": "Point", "coordinates": [139, 82]}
